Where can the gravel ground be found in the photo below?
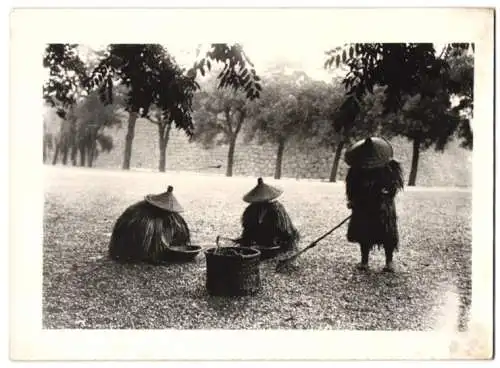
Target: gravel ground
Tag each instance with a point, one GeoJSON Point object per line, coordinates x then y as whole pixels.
{"type": "Point", "coordinates": [82, 289]}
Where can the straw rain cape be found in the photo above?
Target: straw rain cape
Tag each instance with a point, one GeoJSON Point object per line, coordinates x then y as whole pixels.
{"type": "Point", "coordinates": [373, 180]}
{"type": "Point", "coordinates": [146, 229]}
{"type": "Point", "coordinates": [265, 221]}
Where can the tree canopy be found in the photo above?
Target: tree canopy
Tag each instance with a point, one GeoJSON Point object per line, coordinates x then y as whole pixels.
{"type": "Point", "coordinates": [66, 73]}
{"type": "Point", "coordinates": [405, 69]}
{"type": "Point", "coordinates": [238, 71]}
{"type": "Point", "coordinates": [283, 108]}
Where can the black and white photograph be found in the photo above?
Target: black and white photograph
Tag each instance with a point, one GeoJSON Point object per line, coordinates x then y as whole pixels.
{"type": "Point", "coordinates": [284, 181]}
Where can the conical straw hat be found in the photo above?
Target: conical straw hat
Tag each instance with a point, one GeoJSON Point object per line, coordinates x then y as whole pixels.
{"type": "Point", "coordinates": [369, 153]}
{"type": "Point", "coordinates": [165, 201]}
{"type": "Point", "coordinates": [262, 193]}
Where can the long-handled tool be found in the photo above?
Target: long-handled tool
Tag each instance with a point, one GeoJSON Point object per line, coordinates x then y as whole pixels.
{"type": "Point", "coordinates": [284, 262]}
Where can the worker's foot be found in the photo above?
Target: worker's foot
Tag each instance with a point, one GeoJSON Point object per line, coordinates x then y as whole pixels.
{"type": "Point", "coordinates": [389, 267]}
{"type": "Point", "coordinates": [362, 266]}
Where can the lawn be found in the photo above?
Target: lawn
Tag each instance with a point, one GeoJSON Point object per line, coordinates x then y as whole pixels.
{"type": "Point", "coordinates": [83, 289]}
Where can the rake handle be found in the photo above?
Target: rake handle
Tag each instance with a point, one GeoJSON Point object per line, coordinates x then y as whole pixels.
{"type": "Point", "coordinates": [316, 241]}
{"type": "Point", "coordinates": [328, 232]}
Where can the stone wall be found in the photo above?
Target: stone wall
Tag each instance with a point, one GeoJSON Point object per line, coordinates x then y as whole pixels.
{"type": "Point", "coordinates": [451, 168]}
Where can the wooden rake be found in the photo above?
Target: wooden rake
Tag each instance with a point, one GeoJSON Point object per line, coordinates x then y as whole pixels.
{"type": "Point", "coordinates": [284, 262]}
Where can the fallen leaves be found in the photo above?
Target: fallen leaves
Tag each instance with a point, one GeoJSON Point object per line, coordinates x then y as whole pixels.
{"type": "Point", "coordinates": [83, 289]}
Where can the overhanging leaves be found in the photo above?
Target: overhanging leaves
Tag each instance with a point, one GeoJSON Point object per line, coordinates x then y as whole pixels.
{"type": "Point", "coordinates": [404, 69]}
{"type": "Point", "coordinates": [66, 73]}
{"type": "Point", "coordinates": [152, 77]}
{"type": "Point", "coordinates": [238, 72]}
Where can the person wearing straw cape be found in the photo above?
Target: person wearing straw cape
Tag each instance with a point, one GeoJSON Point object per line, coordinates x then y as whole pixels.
{"type": "Point", "coordinates": [373, 180]}
{"type": "Point", "coordinates": [265, 221]}
{"type": "Point", "coordinates": [145, 229]}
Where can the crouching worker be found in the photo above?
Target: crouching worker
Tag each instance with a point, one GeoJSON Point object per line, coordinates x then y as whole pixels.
{"type": "Point", "coordinates": [147, 228]}
{"type": "Point", "coordinates": [373, 180]}
{"type": "Point", "coordinates": [265, 221]}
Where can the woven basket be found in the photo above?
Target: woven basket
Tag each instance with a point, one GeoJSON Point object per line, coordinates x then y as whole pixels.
{"type": "Point", "coordinates": [232, 271]}
{"type": "Point", "coordinates": [267, 252]}
{"type": "Point", "coordinates": [184, 254]}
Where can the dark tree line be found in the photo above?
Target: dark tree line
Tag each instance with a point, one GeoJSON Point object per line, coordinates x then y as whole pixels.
{"type": "Point", "coordinates": [393, 89]}
{"type": "Point", "coordinates": [150, 76]}
{"type": "Point", "coordinates": [419, 84]}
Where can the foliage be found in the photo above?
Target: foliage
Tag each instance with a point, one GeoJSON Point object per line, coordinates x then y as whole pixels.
{"type": "Point", "coordinates": [152, 76]}
{"type": "Point", "coordinates": [66, 73]}
{"type": "Point", "coordinates": [238, 72]}
{"type": "Point", "coordinates": [429, 120]}
{"type": "Point", "coordinates": [404, 69]}
{"type": "Point", "coordinates": [82, 128]}
{"type": "Point", "coordinates": [90, 110]}
{"type": "Point", "coordinates": [93, 117]}
{"type": "Point", "coordinates": [399, 66]}
{"type": "Point", "coordinates": [105, 142]}
{"type": "Point", "coordinates": [428, 116]}
{"type": "Point", "coordinates": [83, 114]}
{"type": "Point", "coordinates": [177, 106]}
{"type": "Point", "coordinates": [461, 64]}
{"type": "Point", "coordinates": [462, 76]}
{"type": "Point", "coordinates": [331, 123]}
{"type": "Point", "coordinates": [219, 115]}
{"type": "Point", "coordinates": [284, 109]}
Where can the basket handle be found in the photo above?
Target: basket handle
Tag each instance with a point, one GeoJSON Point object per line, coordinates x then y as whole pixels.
{"type": "Point", "coordinates": [218, 238]}
{"type": "Point", "coordinates": [225, 238]}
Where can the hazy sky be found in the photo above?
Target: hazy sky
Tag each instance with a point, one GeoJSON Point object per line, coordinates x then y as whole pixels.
{"type": "Point", "coordinates": [308, 57]}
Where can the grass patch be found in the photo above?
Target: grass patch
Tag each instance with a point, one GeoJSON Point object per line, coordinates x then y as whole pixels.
{"type": "Point", "coordinates": [83, 289]}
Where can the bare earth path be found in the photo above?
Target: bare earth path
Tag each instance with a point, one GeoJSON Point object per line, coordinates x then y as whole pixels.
{"type": "Point", "coordinates": [82, 289]}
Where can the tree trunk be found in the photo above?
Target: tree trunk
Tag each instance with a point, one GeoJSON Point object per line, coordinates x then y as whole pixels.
{"type": "Point", "coordinates": [129, 139]}
{"type": "Point", "coordinates": [65, 154]}
{"type": "Point", "coordinates": [45, 145]}
{"type": "Point", "coordinates": [164, 135]}
{"type": "Point", "coordinates": [56, 154]}
{"type": "Point", "coordinates": [279, 159]}
{"type": "Point", "coordinates": [74, 153]}
{"type": "Point", "coordinates": [336, 160]}
{"type": "Point", "coordinates": [90, 156]}
{"type": "Point", "coordinates": [82, 156]}
{"type": "Point", "coordinates": [92, 147]}
{"type": "Point", "coordinates": [414, 162]}
{"type": "Point", "coordinates": [74, 142]}
{"type": "Point", "coordinates": [230, 157]}
{"type": "Point", "coordinates": [234, 136]}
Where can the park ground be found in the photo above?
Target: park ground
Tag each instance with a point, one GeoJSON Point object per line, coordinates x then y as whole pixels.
{"type": "Point", "coordinates": [83, 289]}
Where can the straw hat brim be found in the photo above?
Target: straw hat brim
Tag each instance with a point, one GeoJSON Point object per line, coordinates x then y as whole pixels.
{"type": "Point", "coordinates": [164, 202]}
{"type": "Point", "coordinates": [369, 154]}
{"type": "Point", "coordinates": [262, 193]}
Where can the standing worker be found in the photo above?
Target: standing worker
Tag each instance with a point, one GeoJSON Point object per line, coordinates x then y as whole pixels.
{"type": "Point", "coordinates": [373, 180]}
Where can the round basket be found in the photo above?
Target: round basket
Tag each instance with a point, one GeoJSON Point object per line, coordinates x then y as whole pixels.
{"type": "Point", "coordinates": [232, 271]}
{"type": "Point", "coordinates": [182, 254]}
{"type": "Point", "coordinates": [267, 252]}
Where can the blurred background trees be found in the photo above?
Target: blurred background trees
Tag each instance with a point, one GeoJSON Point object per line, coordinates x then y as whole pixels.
{"type": "Point", "coordinates": [284, 112]}
{"type": "Point", "coordinates": [220, 115]}
{"type": "Point", "coordinates": [420, 85]}
{"type": "Point", "coordinates": [408, 90]}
